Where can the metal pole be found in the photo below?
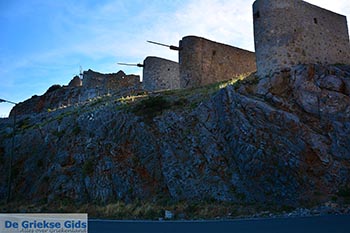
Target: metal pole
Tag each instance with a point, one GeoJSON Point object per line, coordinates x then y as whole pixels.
{"type": "Point", "coordinates": [7, 101]}
{"type": "Point", "coordinates": [129, 64]}
{"type": "Point", "coordinates": [157, 43]}
{"type": "Point", "coordinates": [172, 47]}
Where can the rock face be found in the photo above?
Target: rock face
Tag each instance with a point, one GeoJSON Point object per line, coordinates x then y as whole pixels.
{"type": "Point", "coordinates": [75, 82]}
{"type": "Point", "coordinates": [283, 139]}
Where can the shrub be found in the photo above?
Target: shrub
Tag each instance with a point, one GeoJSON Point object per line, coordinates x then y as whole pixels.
{"type": "Point", "coordinates": [152, 106]}
{"type": "Point", "coordinates": [344, 193]}
{"type": "Point", "coordinates": [15, 171]}
{"type": "Point", "coordinates": [24, 123]}
{"type": "Point", "coordinates": [40, 163]}
{"type": "Point", "coordinates": [2, 154]}
{"type": "Point", "coordinates": [59, 134]}
{"type": "Point", "coordinates": [88, 167]}
{"type": "Point", "coordinates": [76, 130]}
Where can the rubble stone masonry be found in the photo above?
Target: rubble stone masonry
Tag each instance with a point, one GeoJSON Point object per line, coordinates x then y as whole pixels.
{"type": "Point", "coordinates": [291, 32]}
{"type": "Point", "coordinates": [160, 74]}
{"type": "Point", "coordinates": [204, 62]}
{"type": "Point", "coordinates": [110, 82]}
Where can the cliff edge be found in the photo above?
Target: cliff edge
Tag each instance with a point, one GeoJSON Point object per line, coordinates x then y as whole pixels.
{"type": "Point", "coordinates": [280, 140]}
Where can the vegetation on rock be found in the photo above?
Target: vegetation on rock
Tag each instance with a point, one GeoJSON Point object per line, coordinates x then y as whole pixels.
{"type": "Point", "coordinates": [277, 143]}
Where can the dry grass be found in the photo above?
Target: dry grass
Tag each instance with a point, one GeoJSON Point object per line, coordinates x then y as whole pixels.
{"type": "Point", "coordinates": [139, 210]}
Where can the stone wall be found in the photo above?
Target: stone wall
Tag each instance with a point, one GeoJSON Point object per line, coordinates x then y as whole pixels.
{"type": "Point", "coordinates": [79, 91]}
{"type": "Point", "coordinates": [295, 32]}
{"type": "Point", "coordinates": [109, 82]}
{"type": "Point", "coordinates": [160, 74]}
{"type": "Point", "coordinates": [203, 62]}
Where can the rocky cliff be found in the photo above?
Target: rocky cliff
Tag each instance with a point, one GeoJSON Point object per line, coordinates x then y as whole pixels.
{"type": "Point", "coordinates": [282, 139]}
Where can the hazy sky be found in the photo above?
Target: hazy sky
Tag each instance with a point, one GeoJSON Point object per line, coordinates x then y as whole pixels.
{"type": "Point", "coordinates": [44, 42]}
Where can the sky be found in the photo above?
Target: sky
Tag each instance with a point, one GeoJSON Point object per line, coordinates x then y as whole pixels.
{"type": "Point", "coordinates": [45, 42]}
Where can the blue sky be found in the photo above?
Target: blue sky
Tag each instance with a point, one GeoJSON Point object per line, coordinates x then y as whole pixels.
{"type": "Point", "coordinates": [44, 42]}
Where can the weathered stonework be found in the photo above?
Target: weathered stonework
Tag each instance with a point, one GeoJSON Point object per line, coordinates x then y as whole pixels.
{"type": "Point", "coordinates": [203, 62]}
{"type": "Point", "coordinates": [78, 91]}
{"type": "Point", "coordinates": [75, 82]}
{"type": "Point", "coordinates": [160, 74]}
{"type": "Point", "coordinates": [296, 32]}
{"type": "Point", "coordinates": [109, 82]}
